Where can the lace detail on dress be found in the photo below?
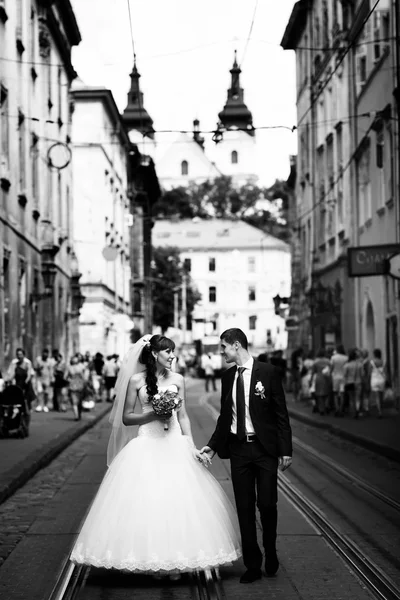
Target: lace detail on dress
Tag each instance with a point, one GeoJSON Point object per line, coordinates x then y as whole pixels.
{"type": "Point", "coordinates": [180, 563]}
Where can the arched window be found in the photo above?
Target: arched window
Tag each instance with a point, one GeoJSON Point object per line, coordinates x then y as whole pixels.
{"type": "Point", "coordinates": [184, 167]}
{"type": "Point", "coordinates": [234, 158]}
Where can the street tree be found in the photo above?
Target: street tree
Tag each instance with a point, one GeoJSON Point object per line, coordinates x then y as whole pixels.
{"type": "Point", "coordinates": [265, 208]}
{"type": "Point", "coordinates": [167, 274]}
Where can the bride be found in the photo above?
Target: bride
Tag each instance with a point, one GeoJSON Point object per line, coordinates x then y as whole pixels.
{"type": "Point", "coordinates": [158, 509]}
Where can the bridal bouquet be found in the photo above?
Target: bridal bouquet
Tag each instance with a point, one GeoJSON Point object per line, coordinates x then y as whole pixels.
{"type": "Point", "coordinates": [164, 403]}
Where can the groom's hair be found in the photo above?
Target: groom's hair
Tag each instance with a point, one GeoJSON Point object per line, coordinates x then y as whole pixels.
{"type": "Point", "coordinates": [235, 335]}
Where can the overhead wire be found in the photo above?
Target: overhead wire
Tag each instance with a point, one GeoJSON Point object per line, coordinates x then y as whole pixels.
{"type": "Point", "coordinates": [250, 32]}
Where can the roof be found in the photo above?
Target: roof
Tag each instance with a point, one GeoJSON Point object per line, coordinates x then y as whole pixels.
{"type": "Point", "coordinates": [295, 26]}
{"type": "Point", "coordinates": [184, 147]}
{"type": "Point", "coordinates": [87, 93]}
{"type": "Point", "coordinates": [216, 234]}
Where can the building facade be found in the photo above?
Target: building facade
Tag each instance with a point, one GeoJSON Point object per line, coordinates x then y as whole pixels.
{"type": "Point", "coordinates": [102, 220]}
{"type": "Point", "coordinates": [347, 189]}
{"type": "Point", "coordinates": [238, 269]}
{"type": "Point", "coordinates": [39, 291]}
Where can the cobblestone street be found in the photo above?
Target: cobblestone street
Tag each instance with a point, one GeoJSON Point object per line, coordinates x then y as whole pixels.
{"type": "Point", "coordinates": [40, 521]}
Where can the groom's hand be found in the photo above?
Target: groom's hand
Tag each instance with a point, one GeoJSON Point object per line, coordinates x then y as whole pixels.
{"type": "Point", "coordinates": [209, 451]}
{"type": "Point", "coordinates": [284, 462]}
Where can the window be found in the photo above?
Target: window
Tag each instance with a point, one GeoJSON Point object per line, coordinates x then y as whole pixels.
{"type": "Point", "coordinates": [380, 33]}
{"type": "Point", "coordinates": [331, 183]}
{"type": "Point", "coordinates": [361, 58]}
{"type": "Point", "coordinates": [251, 263]}
{"type": "Point", "coordinates": [364, 186]}
{"type": "Point", "coordinates": [59, 96]}
{"type": "Point", "coordinates": [234, 157]}
{"type": "Point", "coordinates": [339, 162]}
{"type": "Point", "coordinates": [252, 322]}
{"type": "Point", "coordinates": [380, 163]}
{"type": "Point", "coordinates": [211, 264]}
{"type": "Point", "coordinates": [187, 264]}
{"type": "Point", "coordinates": [35, 168]}
{"type": "Point", "coordinates": [184, 167]}
{"type": "Point", "coordinates": [22, 298]}
{"type": "Point", "coordinates": [4, 133]}
{"type": "Point", "coordinates": [252, 293]}
{"type": "Point", "coordinates": [212, 293]}
{"type": "Point", "coordinates": [7, 302]}
{"type": "Point", "coordinates": [21, 150]}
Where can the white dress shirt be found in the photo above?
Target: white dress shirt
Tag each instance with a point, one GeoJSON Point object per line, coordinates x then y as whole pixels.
{"type": "Point", "coordinates": [248, 366]}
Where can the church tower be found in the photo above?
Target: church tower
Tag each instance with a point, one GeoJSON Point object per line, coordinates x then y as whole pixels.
{"type": "Point", "coordinates": [135, 117]}
{"type": "Point", "coordinates": [235, 155]}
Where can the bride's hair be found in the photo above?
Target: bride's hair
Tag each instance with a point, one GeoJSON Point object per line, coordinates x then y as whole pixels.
{"type": "Point", "coordinates": [156, 344]}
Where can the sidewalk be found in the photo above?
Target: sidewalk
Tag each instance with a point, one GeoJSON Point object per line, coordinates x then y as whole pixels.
{"type": "Point", "coordinates": [49, 434]}
{"type": "Point", "coordinates": [379, 435]}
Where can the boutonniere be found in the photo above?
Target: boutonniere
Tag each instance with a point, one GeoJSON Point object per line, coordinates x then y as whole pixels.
{"type": "Point", "coordinates": [260, 390]}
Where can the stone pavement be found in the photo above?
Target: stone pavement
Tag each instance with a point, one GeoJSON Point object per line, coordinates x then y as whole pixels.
{"type": "Point", "coordinates": [50, 433]}
{"type": "Point", "coordinates": [378, 435]}
{"type": "Point", "coordinates": [60, 495]}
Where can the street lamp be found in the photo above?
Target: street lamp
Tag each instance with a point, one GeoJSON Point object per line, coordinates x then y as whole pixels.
{"type": "Point", "coordinates": [77, 298]}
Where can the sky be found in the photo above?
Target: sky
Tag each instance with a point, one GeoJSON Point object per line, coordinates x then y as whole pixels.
{"type": "Point", "coordinates": [184, 50]}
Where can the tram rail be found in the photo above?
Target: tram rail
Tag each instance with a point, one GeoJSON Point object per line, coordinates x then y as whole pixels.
{"type": "Point", "coordinates": [368, 571]}
{"type": "Point", "coordinates": [351, 477]}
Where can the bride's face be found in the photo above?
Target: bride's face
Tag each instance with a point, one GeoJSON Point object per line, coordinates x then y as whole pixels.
{"type": "Point", "coordinates": [165, 358]}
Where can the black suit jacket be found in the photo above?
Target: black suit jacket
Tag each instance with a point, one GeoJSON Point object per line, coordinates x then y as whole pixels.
{"type": "Point", "coordinates": [269, 415]}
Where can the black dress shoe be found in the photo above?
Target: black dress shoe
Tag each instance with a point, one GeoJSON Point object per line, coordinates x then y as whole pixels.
{"type": "Point", "coordinates": [271, 566]}
{"type": "Point", "coordinates": [251, 575]}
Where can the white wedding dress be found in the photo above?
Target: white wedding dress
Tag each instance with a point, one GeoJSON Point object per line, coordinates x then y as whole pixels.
{"type": "Point", "coordinates": [158, 509]}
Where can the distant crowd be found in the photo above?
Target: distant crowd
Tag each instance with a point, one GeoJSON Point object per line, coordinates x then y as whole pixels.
{"type": "Point", "coordinates": [353, 383]}
{"type": "Point", "coordinates": [52, 383]}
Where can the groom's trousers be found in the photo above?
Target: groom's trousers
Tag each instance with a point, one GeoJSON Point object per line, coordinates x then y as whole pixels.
{"type": "Point", "coordinates": [255, 482]}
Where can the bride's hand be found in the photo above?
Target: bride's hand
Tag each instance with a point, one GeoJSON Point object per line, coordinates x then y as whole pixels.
{"type": "Point", "coordinates": [204, 459]}
{"type": "Point", "coordinates": [162, 418]}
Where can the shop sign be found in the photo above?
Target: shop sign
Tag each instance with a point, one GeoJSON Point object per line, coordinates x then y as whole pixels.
{"type": "Point", "coordinates": [367, 261]}
{"type": "Point", "coordinates": [393, 265]}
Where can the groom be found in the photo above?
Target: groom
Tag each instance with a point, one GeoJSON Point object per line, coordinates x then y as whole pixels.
{"type": "Point", "coordinates": [252, 430]}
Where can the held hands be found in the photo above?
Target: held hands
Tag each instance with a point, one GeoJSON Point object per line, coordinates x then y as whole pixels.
{"type": "Point", "coordinates": [285, 462]}
{"type": "Point", "coordinates": [207, 451]}
{"type": "Point", "coordinates": [204, 459]}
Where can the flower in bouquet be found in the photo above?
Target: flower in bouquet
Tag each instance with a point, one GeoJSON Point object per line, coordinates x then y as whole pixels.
{"type": "Point", "coordinates": [164, 403]}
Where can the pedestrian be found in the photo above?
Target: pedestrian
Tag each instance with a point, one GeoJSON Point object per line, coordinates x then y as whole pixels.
{"type": "Point", "coordinates": [280, 363]}
{"type": "Point", "coordinates": [158, 510]}
{"type": "Point", "coordinates": [321, 381]}
{"type": "Point", "coordinates": [365, 382]}
{"type": "Point", "coordinates": [96, 371]}
{"type": "Point", "coordinates": [296, 360]}
{"type": "Point", "coordinates": [209, 373]}
{"type": "Point", "coordinates": [253, 430]}
{"type": "Point", "coordinates": [378, 379]}
{"type": "Point", "coordinates": [306, 374]}
{"type": "Point", "coordinates": [338, 360]}
{"type": "Point", "coordinates": [20, 373]}
{"type": "Point", "coordinates": [263, 357]}
{"type": "Point", "coordinates": [44, 369]}
{"type": "Point", "coordinates": [60, 386]}
{"type": "Point", "coordinates": [76, 376]}
{"type": "Point", "coordinates": [352, 382]}
{"type": "Point", "coordinates": [110, 372]}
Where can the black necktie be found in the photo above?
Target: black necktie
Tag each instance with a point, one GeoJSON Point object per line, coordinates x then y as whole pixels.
{"type": "Point", "coordinates": [240, 405]}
